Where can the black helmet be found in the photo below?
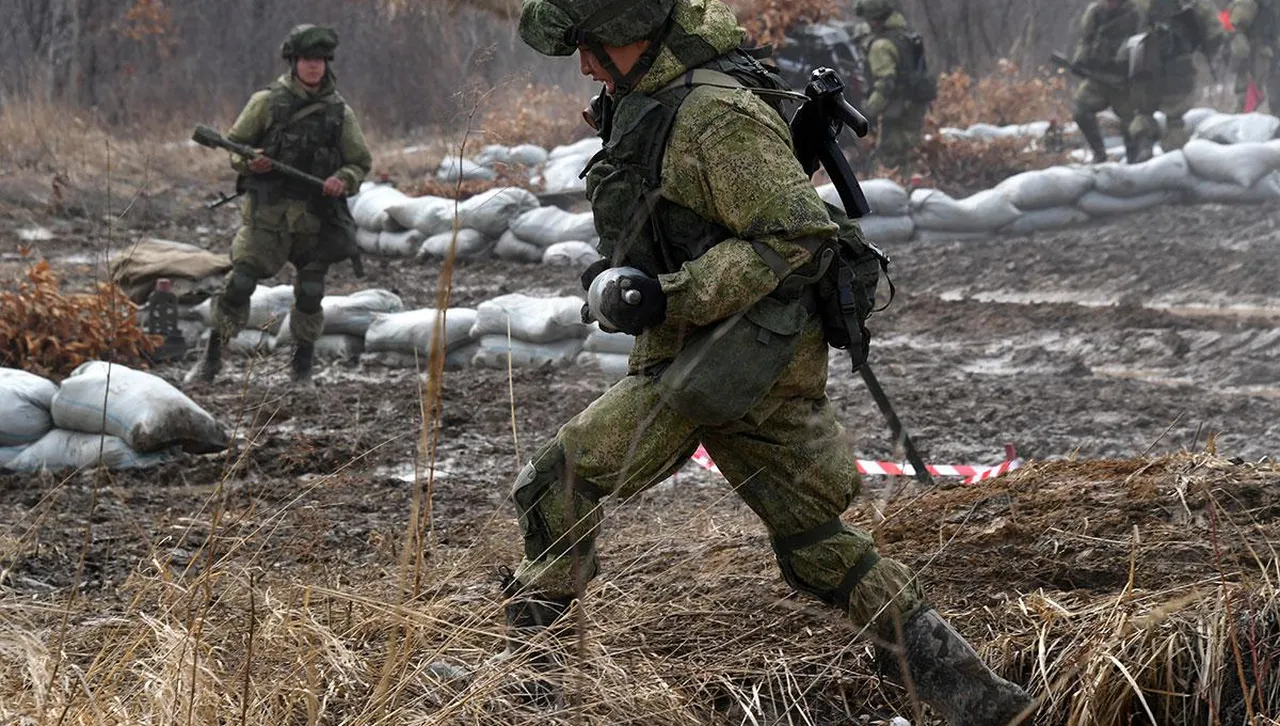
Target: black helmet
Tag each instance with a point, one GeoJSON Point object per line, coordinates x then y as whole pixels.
{"type": "Point", "coordinates": [309, 41]}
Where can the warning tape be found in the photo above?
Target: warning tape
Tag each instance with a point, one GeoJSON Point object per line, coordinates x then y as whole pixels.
{"type": "Point", "coordinates": [971, 474]}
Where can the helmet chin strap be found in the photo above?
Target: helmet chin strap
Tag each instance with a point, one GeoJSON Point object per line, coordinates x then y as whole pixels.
{"type": "Point", "coordinates": [622, 82]}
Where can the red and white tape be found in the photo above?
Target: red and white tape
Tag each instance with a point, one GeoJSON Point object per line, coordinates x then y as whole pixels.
{"type": "Point", "coordinates": [971, 474]}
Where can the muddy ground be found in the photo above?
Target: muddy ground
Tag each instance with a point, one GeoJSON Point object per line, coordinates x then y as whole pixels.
{"type": "Point", "coordinates": [1150, 334]}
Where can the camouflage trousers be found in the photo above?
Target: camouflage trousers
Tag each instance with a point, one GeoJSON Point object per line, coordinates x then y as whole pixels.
{"type": "Point", "coordinates": [898, 136]}
{"type": "Point", "coordinates": [1252, 65]}
{"type": "Point", "coordinates": [1174, 95]}
{"type": "Point", "coordinates": [788, 460]}
{"type": "Point", "coordinates": [1093, 97]}
{"type": "Point", "coordinates": [257, 254]}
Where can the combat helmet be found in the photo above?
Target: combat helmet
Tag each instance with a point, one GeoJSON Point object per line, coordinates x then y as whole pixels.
{"type": "Point", "coordinates": [309, 41]}
{"type": "Point", "coordinates": [874, 9]}
{"type": "Point", "coordinates": [559, 27]}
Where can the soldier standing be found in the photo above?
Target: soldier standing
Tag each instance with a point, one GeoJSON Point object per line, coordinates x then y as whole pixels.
{"type": "Point", "coordinates": [1253, 40]}
{"type": "Point", "coordinates": [902, 88]}
{"type": "Point", "coordinates": [1163, 69]}
{"type": "Point", "coordinates": [300, 120]}
{"type": "Point", "coordinates": [716, 280]}
{"type": "Point", "coordinates": [1104, 29]}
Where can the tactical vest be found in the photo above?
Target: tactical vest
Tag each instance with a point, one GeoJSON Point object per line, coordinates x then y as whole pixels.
{"type": "Point", "coordinates": [1109, 35]}
{"type": "Point", "coordinates": [1176, 28]}
{"type": "Point", "coordinates": [305, 134]}
{"type": "Point", "coordinates": [638, 227]}
{"type": "Point", "coordinates": [914, 82]}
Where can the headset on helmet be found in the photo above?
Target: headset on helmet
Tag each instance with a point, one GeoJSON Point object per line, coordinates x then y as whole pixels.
{"type": "Point", "coordinates": [309, 41]}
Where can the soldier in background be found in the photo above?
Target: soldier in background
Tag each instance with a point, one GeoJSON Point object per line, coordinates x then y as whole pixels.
{"type": "Point", "coordinates": [1104, 29]}
{"type": "Point", "coordinates": [1253, 40]}
{"type": "Point", "coordinates": [901, 86]}
{"type": "Point", "coordinates": [300, 120]}
{"type": "Point", "coordinates": [1163, 72]}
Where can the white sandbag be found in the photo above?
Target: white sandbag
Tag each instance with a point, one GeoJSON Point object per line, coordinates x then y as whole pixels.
{"type": "Point", "coordinates": [611, 364]}
{"type": "Point", "coordinates": [349, 314]}
{"type": "Point", "coordinates": [532, 319]}
{"type": "Point", "coordinates": [1192, 119]}
{"type": "Point", "coordinates": [1163, 172]}
{"type": "Point", "coordinates": [143, 409]}
{"type": "Point", "coordinates": [1097, 204]}
{"type": "Point", "coordinates": [24, 406]}
{"type": "Point", "coordinates": [942, 235]}
{"type": "Point", "coordinates": [60, 450]}
{"type": "Point", "coordinates": [454, 360]}
{"type": "Point", "coordinates": [1242, 164]}
{"type": "Point", "coordinates": [1265, 190]}
{"type": "Point", "coordinates": [411, 331]}
{"type": "Point", "coordinates": [512, 249]}
{"type": "Point", "coordinates": [583, 147]}
{"type": "Point", "coordinates": [1238, 128]}
{"type": "Point", "coordinates": [548, 225]}
{"type": "Point", "coordinates": [367, 240]}
{"type": "Point", "coordinates": [8, 454]}
{"type": "Point", "coordinates": [494, 154]}
{"type": "Point", "coordinates": [453, 169]}
{"type": "Point", "coordinates": [528, 155]}
{"type": "Point", "coordinates": [570, 254]}
{"type": "Point", "coordinates": [339, 347]}
{"type": "Point", "coordinates": [268, 307]}
{"type": "Point", "coordinates": [887, 230]}
{"type": "Point", "coordinates": [429, 215]}
{"type": "Point", "coordinates": [1042, 220]}
{"type": "Point", "coordinates": [471, 245]}
{"type": "Point", "coordinates": [497, 351]}
{"type": "Point", "coordinates": [884, 196]}
{"type": "Point", "coordinates": [399, 244]}
{"type": "Point", "coordinates": [598, 341]}
{"type": "Point", "coordinates": [250, 343]}
{"type": "Point", "coordinates": [563, 174]}
{"type": "Point", "coordinates": [491, 212]}
{"type": "Point", "coordinates": [984, 211]}
{"type": "Point", "coordinates": [369, 206]}
{"type": "Point", "coordinates": [1058, 186]}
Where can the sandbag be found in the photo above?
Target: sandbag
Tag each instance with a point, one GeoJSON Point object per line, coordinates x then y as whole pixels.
{"type": "Point", "coordinates": [941, 235]}
{"type": "Point", "coordinates": [143, 409]}
{"type": "Point", "coordinates": [491, 212]}
{"type": "Point", "coordinates": [493, 154]}
{"type": "Point", "coordinates": [369, 207]}
{"type": "Point", "coordinates": [339, 347]}
{"type": "Point", "coordinates": [454, 360]}
{"type": "Point", "coordinates": [532, 319]}
{"type": "Point", "coordinates": [512, 249]}
{"type": "Point", "coordinates": [598, 341]}
{"type": "Point", "coordinates": [611, 364]}
{"type": "Point", "coordinates": [192, 271]}
{"type": "Point", "coordinates": [250, 343]}
{"type": "Point", "coordinates": [528, 155]}
{"type": "Point", "coordinates": [1164, 172]}
{"type": "Point", "coordinates": [570, 254]}
{"type": "Point", "coordinates": [1229, 128]}
{"type": "Point", "coordinates": [582, 147]}
{"type": "Point", "coordinates": [1042, 220]}
{"type": "Point", "coordinates": [884, 196]}
{"type": "Point", "coordinates": [367, 240]}
{"type": "Point", "coordinates": [60, 450]}
{"type": "Point", "coordinates": [548, 225]}
{"type": "Point", "coordinates": [471, 245]}
{"type": "Point", "coordinates": [985, 211]}
{"type": "Point", "coordinates": [1266, 190]}
{"type": "Point", "coordinates": [428, 215]}
{"type": "Point", "coordinates": [349, 314]}
{"type": "Point", "coordinates": [1242, 164]}
{"type": "Point", "coordinates": [8, 454]}
{"type": "Point", "coordinates": [1058, 186]}
{"type": "Point", "coordinates": [453, 169]}
{"type": "Point", "coordinates": [887, 230]}
{"type": "Point", "coordinates": [268, 307]}
{"type": "Point", "coordinates": [1097, 204]}
{"type": "Point", "coordinates": [1192, 119]}
{"type": "Point", "coordinates": [497, 351]}
{"type": "Point", "coordinates": [404, 243]}
{"type": "Point", "coordinates": [25, 399]}
{"type": "Point", "coordinates": [411, 331]}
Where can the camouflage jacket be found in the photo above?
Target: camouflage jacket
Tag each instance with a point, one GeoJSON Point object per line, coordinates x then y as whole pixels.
{"type": "Point", "coordinates": [1255, 20]}
{"type": "Point", "coordinates": [1103, 33]}
{"type": "Point", "coordinates": [885, 64]}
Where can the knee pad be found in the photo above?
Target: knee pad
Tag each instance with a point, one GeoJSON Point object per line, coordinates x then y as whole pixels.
{"type": "Point", "coordinates": [240, 286]}
{"type": "Point", "coordinates": [555, 523]}
{"type": "Point", "coordinates": [308, 291]}
{"type": "Point", "coordinates": [837, 594]}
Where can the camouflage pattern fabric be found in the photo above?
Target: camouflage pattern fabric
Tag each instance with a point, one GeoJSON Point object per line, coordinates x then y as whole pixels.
{"type": "Point", "coordinates": [278, 229]}
{"type": "Point", "coordinates": [729, 159]}
{"type": "Point", "coordinates": [1103, 32]}
{"type": "Point", "coordinates": [899, 122]}
{"type": "Point", "coordinates": [1172, 89]}
{"type": "Point", "coordinates": [1252, 47]}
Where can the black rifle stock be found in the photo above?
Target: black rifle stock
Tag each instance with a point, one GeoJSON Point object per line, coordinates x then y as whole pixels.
{"type": "Point", "coordinates": [1076, 69]}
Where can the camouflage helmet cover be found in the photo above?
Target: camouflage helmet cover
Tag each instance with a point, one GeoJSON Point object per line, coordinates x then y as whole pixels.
{"type": "Point", "coordinates": [309, 41]}
{"type": "Point", "coordinates": [874, 9]}
{"type": "Point", "coordinates": [557, 27]}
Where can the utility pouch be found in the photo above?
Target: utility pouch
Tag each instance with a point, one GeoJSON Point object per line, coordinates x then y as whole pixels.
{"type": "Point", "coordinates": [847, 292]}
{"type": "Point", "coordinates": [725, 369]}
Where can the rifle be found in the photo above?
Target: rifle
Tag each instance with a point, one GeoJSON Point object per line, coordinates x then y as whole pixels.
{"type": "Point", "coordinates": [815, 129]}
{"type": "Point", "coordinates": [208, 137]}
{"type": "Point", "coordinates": [1075, 69]}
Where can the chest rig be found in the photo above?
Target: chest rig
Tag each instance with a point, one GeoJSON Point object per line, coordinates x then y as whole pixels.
{"type": "Point", "coordinates": [305, 134]}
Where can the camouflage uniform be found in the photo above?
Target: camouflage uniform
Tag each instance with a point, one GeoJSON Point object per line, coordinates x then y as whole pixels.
{"type": "Point", "coordinates": [901, 92]}
{"type": "Point", "coordinates": [1253, 40]}
{"type": "Point", "coordinates": [283, 220]}
{"type": "Point", "coordinates": [728, 220]}
{"type": "Point", "coordinates": [1179, 29]}
{"type": "Point", "coordinates": [1103, 32]}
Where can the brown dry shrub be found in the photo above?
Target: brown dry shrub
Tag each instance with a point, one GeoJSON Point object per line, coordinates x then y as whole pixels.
{"type": "Point", "coordinates": [548, 116]}
{"type": "Point", "coordinates": [49, 333]}
{"type": "Point", "coordinates": [1006, 96]}
{"type": "Point", "coordinates": [507, 176]}
{"type": "Point", "coordinates": [964, 166]}
{"type": "Point", "coordinates": [767, 21]}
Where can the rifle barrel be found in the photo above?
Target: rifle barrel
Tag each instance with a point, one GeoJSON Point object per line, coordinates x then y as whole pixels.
{"type": "Point", "coordinates": [206, 136]}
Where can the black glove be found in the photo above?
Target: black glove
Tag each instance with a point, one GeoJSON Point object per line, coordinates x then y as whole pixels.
{"type": "Point", "coordinates": [593, 270]}
{"type": "Point", "coordinates": [632, 304]}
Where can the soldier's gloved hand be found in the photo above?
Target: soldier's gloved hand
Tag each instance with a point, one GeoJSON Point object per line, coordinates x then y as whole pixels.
{"type": "Point", "coordinates": [627, 300]}
{"type": "Point", "coordinates": [593, 270]}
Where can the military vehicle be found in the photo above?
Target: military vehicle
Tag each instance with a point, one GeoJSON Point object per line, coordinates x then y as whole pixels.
{"type": "Point", "coordinates": [834, 44]}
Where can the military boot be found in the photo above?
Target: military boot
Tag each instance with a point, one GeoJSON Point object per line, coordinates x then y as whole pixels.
{"type": "Point", "coordinates": [536, 627]}
{"type": "Point", "coordinates": [1088, 125]}
{"type": "Point", "coordinates": [949, 676]}
{"type": "Point", "coordinates": [303, 356]}
{"type": "Point", "coordinates": [206, 369]}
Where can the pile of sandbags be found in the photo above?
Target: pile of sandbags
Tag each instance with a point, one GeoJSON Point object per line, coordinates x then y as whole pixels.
{"type": "Point", "coordinates": [406, 339]}
{"type": "Point", "coordinates": [551, 236]}
{"type": "Point", "coordinates": [523, 331]}
{"type": "Point", "coordinates": [606, 351]}
{"type": "Point", "coordinates": [103, 414]}
{"type": "Point", "coordinates": [346, 320]}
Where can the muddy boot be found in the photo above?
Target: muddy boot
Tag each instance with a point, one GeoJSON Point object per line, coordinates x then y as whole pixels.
{"type": "Point", "coordinates": [530, 619]}
{"type": "Point", "coordinates": [206, 369]}
{"type": "Point", "coordinates": [1088, 125]}
{"type": "Point", "coordinates": [1143, 149]}
{"type": "Point", "coordinates": [1130, 147]}
{"type": "Point", "coordinates": [949, 676]}
{"type": "Point", "coordinates": [303, 356]}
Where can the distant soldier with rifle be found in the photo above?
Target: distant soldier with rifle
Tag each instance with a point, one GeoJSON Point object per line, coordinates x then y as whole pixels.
{"type": "Point", "coordinates": [301, 133]}
{"type": "Point", "coordinates": [1100, 59]}
{"type": "Point", "coordinates": [1255, 27]}
{"type": "Point", "coordinates": [902, 88]}
{"type": "Point", "coordinates": [1162, 68]}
